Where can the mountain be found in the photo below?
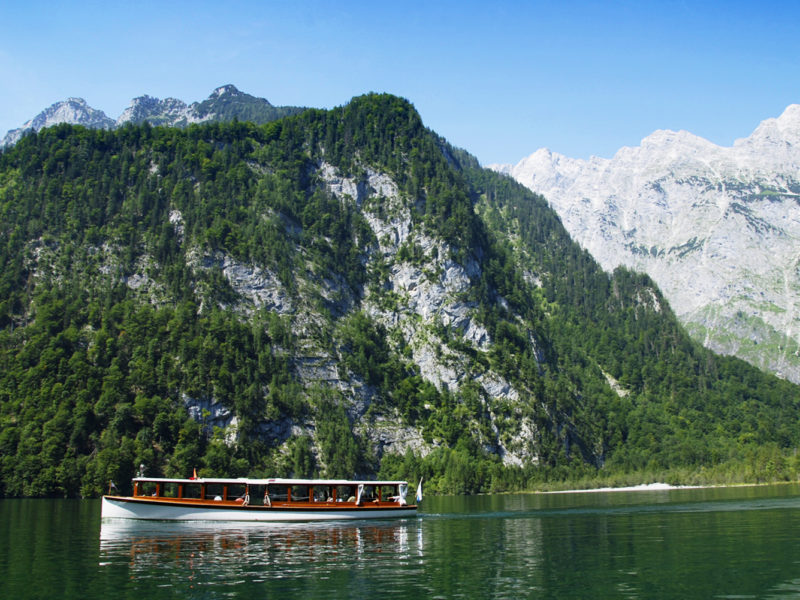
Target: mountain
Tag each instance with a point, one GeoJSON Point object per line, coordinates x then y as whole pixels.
{"type": "Point", "coordinates": [72, 110]}
{"type": "Point", "coordinates": [167, 112]}
{"type": "Point", "coordinates": [338, 293]}
{"type": "Point", "coordinates": [717, 228]}
{"type": "Point", "coordinates": [225, 103]}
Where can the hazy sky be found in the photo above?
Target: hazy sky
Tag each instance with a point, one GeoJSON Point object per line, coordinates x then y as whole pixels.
{"type": "Point", "coordinates": [499, 79]}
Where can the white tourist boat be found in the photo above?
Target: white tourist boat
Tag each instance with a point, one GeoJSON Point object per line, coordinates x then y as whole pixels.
{"type": "Point", "coordinates": [207, 499]}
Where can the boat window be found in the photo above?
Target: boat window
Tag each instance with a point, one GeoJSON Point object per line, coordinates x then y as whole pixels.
{"type": "Point", "coordinates": [369, 494]}
{"type": "Point", "coordinates": [236, 491]}
{"type": "Point", "coordinates": [299, 493]}
{"type": "Point", "coordinates": [169, 489]}
{"type": "Point", "coordinates": [278, 493]}
{"type": "Point", "coordinates": [213, 490]}
{"type": "Point", "coordinates": [346, 493]}
{"type": "Point", "coordinates": [323, 493]}
{"type": "Point", "coordinates": [191, 490]}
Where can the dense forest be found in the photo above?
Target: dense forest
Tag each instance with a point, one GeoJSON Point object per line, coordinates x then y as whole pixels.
{"type": "Point", "coordinates": [126, 339]}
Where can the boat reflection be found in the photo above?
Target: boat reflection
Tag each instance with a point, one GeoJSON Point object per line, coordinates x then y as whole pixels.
{"type": "Point", "coordinates": [249, 548]}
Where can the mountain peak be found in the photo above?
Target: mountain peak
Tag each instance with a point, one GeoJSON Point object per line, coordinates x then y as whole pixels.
{"type": "Point", "coordinates": [791, 115]}
{"type": "Point", "coordinates": [787, 122]}
{"type": "Point", "coordinates": [225, 89]}
{"type": "Point", "coordinates": [72, 100]}
{"type": "Point", "coordinates": [73, 110]}
{"type": "Point", "coordinates": [155, 111]}
{"type": "Point", "coordinates": [779, 131]}
{"type": "Point", "coordinates": [669, 137]}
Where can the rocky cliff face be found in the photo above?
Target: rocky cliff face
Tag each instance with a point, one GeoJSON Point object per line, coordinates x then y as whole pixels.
{"type": "Point", "coordinates": [419, 300]}
{"type": "Point", "coordinates": [419, 305]}
{"type": "Point", "coordinates": [717, 228]}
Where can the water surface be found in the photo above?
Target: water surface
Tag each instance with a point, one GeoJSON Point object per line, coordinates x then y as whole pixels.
{"type": "Point", "coordinates": [699, 543]}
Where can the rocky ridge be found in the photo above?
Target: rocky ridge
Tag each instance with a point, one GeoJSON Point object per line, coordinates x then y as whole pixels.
{"type": "Point", "coordinates": [224, 103]}
{"type": "Point", "coordinates": [716, 227]}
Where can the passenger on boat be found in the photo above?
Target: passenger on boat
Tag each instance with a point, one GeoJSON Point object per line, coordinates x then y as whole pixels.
{"type": "Point", "coordinates": [322, 494]}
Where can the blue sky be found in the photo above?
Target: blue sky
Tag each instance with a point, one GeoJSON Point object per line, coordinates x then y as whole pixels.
{"type": "Point", "coordinates": [499, 79]}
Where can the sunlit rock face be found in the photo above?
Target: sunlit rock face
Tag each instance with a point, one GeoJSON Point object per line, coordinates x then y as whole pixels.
{"type": "Point", "coordinates": [716, 227]}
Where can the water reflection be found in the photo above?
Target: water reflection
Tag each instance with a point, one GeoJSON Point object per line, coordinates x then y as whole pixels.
{"type": "Point", "coordinates": [223, 554]}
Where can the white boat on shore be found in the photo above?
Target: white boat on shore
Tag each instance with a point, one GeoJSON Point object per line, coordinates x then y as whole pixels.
{"type": "Point", "coordinates": [207, 499]}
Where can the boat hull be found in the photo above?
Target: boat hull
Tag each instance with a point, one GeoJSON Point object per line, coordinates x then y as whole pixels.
{"type": "Point", "coordinates": [135, 508]}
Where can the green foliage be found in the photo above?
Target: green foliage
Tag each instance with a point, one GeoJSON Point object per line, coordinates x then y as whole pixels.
{"type": "Point", "coordinates": [302, 457]}
{"type": "Point", "coordinates": [366, 352]}
{"type": "Point", "coordinates": [339, 449]}
{"type": "Point", "coordinates": [115, 312]}
{"type": "Point", "coordinates": [686, 407]}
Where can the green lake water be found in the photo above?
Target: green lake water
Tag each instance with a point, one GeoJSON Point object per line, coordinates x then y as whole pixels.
{"type": "Point", "coordinates": [692, 543]}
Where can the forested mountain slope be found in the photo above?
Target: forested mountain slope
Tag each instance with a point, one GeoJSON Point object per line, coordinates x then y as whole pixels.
{"type": "Point", "coordinates": [334, 293]}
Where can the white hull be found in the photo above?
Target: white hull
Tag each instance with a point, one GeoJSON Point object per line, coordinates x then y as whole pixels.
{"type": "Point", "coordinates": [114, 508]}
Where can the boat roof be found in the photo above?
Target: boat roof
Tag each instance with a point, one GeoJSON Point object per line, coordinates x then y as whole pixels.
{"type": "Point", "coordinates": [272, 480]}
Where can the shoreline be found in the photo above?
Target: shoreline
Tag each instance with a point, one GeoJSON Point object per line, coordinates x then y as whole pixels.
{"type": "Point", "coordinates": [644, 487]}
{"type": "Point", "coordinates": [658, 487]}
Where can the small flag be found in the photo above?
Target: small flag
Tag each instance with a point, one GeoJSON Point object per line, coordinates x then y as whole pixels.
{"type": "Point", "coordinates": [419, 491]}
{"type": "Point", "coordinates": [194, 474]}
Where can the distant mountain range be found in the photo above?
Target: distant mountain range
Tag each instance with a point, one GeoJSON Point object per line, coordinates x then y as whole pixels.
{"type": "Point", "coordinates": [224, 104]}
{"type": "Point", "coordinates": [717, 228]}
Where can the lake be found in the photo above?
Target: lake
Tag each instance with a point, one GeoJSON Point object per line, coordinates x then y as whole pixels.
{"type": "Point", "coordinates": [739, 542]}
